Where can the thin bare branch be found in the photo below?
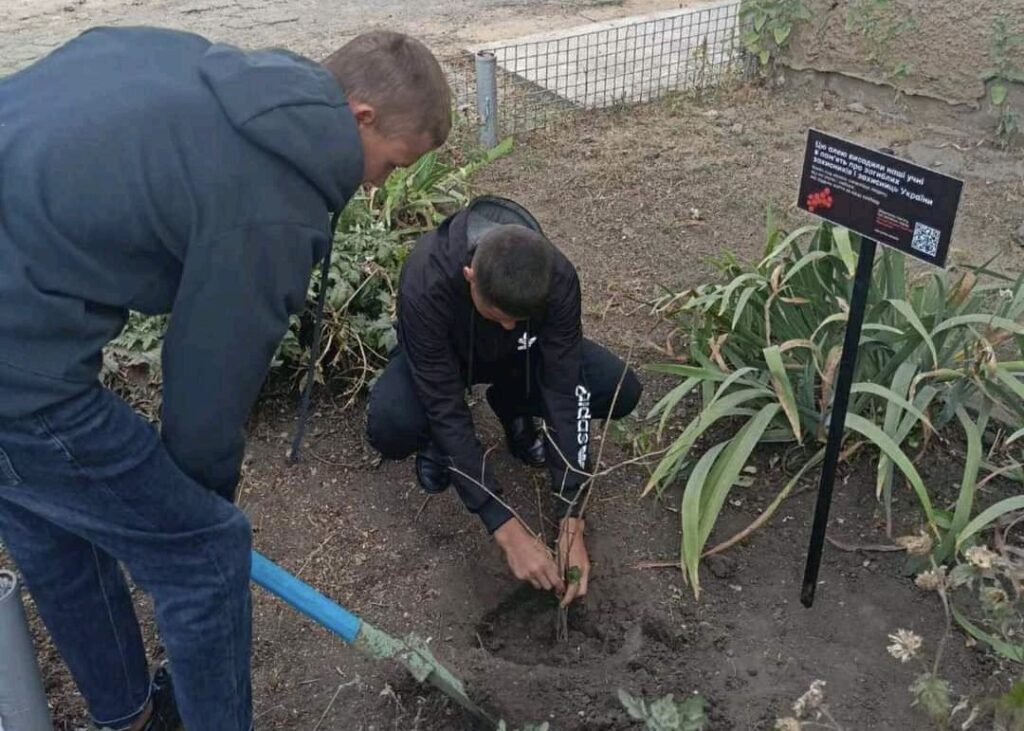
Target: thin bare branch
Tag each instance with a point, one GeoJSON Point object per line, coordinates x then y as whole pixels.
{"type": "Point", "coordinates": [508, 507]}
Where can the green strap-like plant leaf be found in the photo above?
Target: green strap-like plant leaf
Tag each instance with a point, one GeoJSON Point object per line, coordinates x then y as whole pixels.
{"type": "Point", "coordinates": [666, 406]}
{"type": "Point", "coordinates": [1013, 652]}
{"type": "Point", "coordinates": [968, 484]}
{"type": "Point", "coordinates": [877, 327]}
{"type": "Point", "coordinates": [732, 287]}
{"type": "Point", "coordinates": [741, 304]}
{"type": "Point", "coordinates": [892, 399]}
{"type": "Point", "coordinates": [734, 377]}
{"type": "Point", "coordinates": [692, 715]}
{"type": "Point", "coordinates": [842, 238]}
{"type": "Point", "coordinates": [668, 401]}
{"type": "Point", "coordinates": [689, 514]}
{"type": "Point", "coordinates": [988, 516]}
{"type": "Point", "coordinates": [728, 467]}
{"type": "Point", "coordinates": [893, 282]}
{"type": "Point", "coordinates": [805, 260]}
{"type": "Point", "coordinates": [901, 383]}
{"type": "Point", "coordinates": [688, 371]}
{"type": "Point", "coordinates": [1011, 383]}
{"type": "Point", "coordinates": [783, 388]}
{"type": "Point", "coordinates": [881, 440]}
{"type": "Point", "coordinates": [904, 308]}
{"type": "Point", "coordinates": [701, 423]}
{"type": "Point", "coordinates": [990, 320]}
{"type": "Point", "coordinates": [837, 317]}
{"type": "Point", "coordinates": [787, 242]}
{"type": "Point", "coordinates": [770, 510]}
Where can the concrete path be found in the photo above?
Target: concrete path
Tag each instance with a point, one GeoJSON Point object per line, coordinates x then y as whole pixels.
{"type": "Point", "coordinates": [632, 59]}
{"type": "Point", "coordinates": [31, 28]}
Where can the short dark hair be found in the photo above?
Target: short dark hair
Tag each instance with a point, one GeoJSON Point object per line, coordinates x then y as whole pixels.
{"type": "Point", "coordinates": [401, 78]}
{"type": "Point", "coordinates": [512, 266]}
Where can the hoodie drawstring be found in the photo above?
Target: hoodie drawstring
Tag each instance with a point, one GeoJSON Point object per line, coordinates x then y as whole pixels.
{"type": "Point", "coordinates": [314, 349]}
{"type": "Point", "coordinates": [472, 340]}
{"type": "Point", "coordinates": [526, 339]}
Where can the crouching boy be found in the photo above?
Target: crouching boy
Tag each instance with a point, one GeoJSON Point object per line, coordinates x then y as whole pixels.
{"type": "Point", "coordinates": [487, 299]}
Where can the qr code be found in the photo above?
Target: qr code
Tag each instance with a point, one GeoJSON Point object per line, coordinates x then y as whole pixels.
{"type": "Point", "coordinates": [926, 239]}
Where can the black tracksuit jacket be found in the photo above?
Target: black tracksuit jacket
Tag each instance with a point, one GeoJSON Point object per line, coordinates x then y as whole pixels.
{"type": "Point", "coordinates": [445, 340]}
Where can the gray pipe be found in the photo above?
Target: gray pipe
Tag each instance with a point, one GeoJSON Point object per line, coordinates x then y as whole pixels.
{"type": "Point", "coordinates": [487, 97]}
{"type": "Point", "coordinates": [23, 704]}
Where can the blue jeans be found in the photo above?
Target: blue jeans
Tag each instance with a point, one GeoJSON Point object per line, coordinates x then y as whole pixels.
{"type": "Point", "coordinates": [87, 485]}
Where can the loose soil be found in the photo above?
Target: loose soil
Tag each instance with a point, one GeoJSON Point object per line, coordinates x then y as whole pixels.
{"type": "Point", "coordinates": [637, 198]}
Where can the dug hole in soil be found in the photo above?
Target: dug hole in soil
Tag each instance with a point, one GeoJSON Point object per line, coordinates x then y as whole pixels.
{"type": "Point", "coordinates": [635, 198]}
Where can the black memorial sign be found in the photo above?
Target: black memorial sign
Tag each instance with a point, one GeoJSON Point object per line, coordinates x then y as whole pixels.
{"type": "Point", "coordinates": [892, 201]}
{"type": "Point", "coordinates": [889, 201]}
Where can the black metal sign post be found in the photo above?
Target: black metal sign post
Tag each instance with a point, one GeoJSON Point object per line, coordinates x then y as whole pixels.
{"type": "Point", "coordinates": [837, 424]}
{"type": "Point", "coordinates": [889, 201]}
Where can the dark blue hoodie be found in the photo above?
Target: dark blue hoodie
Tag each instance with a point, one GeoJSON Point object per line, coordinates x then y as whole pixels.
{"type": "Point", "coordinates": [150, 170]}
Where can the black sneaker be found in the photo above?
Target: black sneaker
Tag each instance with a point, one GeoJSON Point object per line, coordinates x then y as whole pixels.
{"type": "Point", "coordinates": [165, 710]}
{"type": "Point", "coordinates": [432, 470]}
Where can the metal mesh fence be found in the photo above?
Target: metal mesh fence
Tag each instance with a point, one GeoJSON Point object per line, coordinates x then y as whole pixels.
{"type": "Point", "coordinates": [540, 79]}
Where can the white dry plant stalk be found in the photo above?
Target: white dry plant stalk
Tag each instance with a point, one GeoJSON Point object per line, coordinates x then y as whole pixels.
{"type": "Point", "coordinates": [931, 692]}
{"type": "Point", "coordinates": [931, 580]}
{"type": "Point", "coordinates": [919, 545]}
{"type": "Point", "coordinates": [905, 645]}
{"type": "Point", "coordinates": [981, 557]}
{"type": "Point", "coordinates": [810, 711]}
{"type": "Point", "coordinates": [562, 620]}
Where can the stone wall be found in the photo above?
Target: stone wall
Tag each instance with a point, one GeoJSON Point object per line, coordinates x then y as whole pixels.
{"type": "Point", "coordinates": [934, 52]}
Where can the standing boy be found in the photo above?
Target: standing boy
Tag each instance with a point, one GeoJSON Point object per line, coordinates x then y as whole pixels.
{"type": "Point", "coordinates": [150, 170]}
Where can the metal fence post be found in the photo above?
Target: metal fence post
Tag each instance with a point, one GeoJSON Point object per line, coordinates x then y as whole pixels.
{"type": "Point", "coordinates": [23, 704]}
{"type": "Point", "coordinates": [487, 97]}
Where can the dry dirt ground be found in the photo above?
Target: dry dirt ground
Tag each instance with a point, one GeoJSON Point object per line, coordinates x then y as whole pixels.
{"type": "Point", "coordinates": [637, 198]}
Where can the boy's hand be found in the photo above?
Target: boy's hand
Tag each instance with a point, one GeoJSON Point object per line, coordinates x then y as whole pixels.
{"type": "Point", "coordinates": [528, 558]}
{"type": "Point", "coordinates": [573, 551]}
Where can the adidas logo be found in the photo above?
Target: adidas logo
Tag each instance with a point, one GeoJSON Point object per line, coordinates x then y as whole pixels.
{"type": "Point", "coordinates": [526, 342]}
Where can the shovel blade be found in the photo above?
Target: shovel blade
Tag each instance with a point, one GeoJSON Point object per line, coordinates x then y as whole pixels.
{"type": "Point", "coordinates": [413, 654]}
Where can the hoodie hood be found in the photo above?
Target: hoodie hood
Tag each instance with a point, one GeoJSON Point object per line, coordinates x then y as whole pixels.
{"type": "Point", "coordinates": [446, 344]}
{"type": "Point", "coordinates": [293, 108]}
{"type": "Point", "coordinates": [488, 212]}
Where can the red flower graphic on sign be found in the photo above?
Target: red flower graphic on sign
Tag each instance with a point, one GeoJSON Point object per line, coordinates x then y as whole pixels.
{"type": "Point", "coordinates": [821, 199]}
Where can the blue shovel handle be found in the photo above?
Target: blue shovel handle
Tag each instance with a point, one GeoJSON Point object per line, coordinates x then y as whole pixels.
{"type": "Point", "coordinates": [304, 598]}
